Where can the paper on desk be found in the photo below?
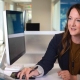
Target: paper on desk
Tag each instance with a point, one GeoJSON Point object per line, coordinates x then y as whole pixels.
{"type": "Point", "coordinates": [8, 72]}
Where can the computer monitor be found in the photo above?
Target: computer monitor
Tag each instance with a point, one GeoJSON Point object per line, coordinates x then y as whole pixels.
{"type": "Point", "coordinates": [32, 26]}
{"type": "Point", "coordinates": [14, 35]}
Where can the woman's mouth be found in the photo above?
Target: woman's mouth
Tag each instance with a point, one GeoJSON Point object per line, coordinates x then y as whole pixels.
{"type": "Point", "coordinates": [73, 29]}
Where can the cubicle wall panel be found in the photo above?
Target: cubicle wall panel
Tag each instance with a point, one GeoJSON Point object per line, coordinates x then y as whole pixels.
{"type": "Point", "coordinates": [37, 44]}
{"type": "Point", "coordinates": [29, 59]}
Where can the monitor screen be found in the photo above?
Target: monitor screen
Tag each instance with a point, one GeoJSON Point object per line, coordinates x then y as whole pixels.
{"type": "Point", "coordinates": [14, 35]}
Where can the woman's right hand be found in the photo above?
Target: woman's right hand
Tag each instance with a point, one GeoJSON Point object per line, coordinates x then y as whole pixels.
{"type": "Point", "coordinates": [26, 72]}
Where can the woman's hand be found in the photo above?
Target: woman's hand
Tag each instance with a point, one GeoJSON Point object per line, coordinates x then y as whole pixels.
{"type": "Point", "coordinates": [26, 71]}
{"type": "Point", "coordinates": [65, 75]}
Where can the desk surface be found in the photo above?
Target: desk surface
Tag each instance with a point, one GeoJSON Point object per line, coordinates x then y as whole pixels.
{"type": "Point", "coordinates": [50, 76]}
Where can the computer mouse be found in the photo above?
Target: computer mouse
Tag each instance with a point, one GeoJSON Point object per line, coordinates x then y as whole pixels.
{"type": "Point", "coordinates": [14, 75]}
{"type": "Point", "coordinates": [23, 77]}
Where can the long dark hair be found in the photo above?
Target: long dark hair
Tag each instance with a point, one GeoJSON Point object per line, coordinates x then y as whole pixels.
{"type": "Point", "coordinates": [66, 36]}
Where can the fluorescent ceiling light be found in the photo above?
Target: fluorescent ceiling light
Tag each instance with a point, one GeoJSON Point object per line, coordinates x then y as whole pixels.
{"type": "Point", "coordinates": [22, 0]}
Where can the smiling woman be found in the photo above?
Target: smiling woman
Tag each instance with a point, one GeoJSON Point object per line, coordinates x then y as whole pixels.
{"type": "Point", "coordinates": [65, 47]}
{"type": "Point", "coordinates": [74, 22]}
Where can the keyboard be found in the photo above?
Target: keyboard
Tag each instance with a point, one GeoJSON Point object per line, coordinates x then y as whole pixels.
{"type": "Point", "coordinates": [14, 68]}
{"type": "Point", "coordinates": [14, 75]}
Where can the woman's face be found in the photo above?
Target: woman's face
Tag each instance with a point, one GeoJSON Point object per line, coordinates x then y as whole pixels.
{"type": "Point", "coordinates": [74, 22]}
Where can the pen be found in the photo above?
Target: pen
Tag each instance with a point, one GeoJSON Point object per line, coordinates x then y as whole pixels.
{"type": "Point", "coordinates": [33, 69]}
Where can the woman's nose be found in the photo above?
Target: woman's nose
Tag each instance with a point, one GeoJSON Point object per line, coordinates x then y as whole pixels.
{"type": "Point", "coordinates": [73, 24]}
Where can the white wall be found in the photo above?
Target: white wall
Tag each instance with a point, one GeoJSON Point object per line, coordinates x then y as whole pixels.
{"type": "Point", "coordinates": [1, 20]}
{"type": "Point", "coordinates": [11, 6]}
{"type": "Point", "coordinates": [41, 13]}
{"type": "Point", "coordinates": [56, 16]}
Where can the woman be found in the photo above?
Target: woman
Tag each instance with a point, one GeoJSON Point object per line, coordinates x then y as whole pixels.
{"type": "Point", "coordinates": [65, 47]}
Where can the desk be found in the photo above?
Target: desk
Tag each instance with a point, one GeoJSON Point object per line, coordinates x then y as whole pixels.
{"type": "Point", "coordinates": [52, 75]}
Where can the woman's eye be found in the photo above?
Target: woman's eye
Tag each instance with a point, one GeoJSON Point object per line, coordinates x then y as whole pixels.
{"type": "Point", "coordinates": [69, 18]}
{"type": "Point", "coordinates": [78, 20]}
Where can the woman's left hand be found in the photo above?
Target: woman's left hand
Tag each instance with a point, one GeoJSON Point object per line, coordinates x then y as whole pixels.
{"type": "Point", "coordinates": [65, 75]}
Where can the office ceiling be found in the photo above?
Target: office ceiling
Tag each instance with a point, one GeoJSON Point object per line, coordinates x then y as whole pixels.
{"type": "Point", "coordinates": [69, 1]}
{"type": "Point", "coordinates": [22, 0]}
